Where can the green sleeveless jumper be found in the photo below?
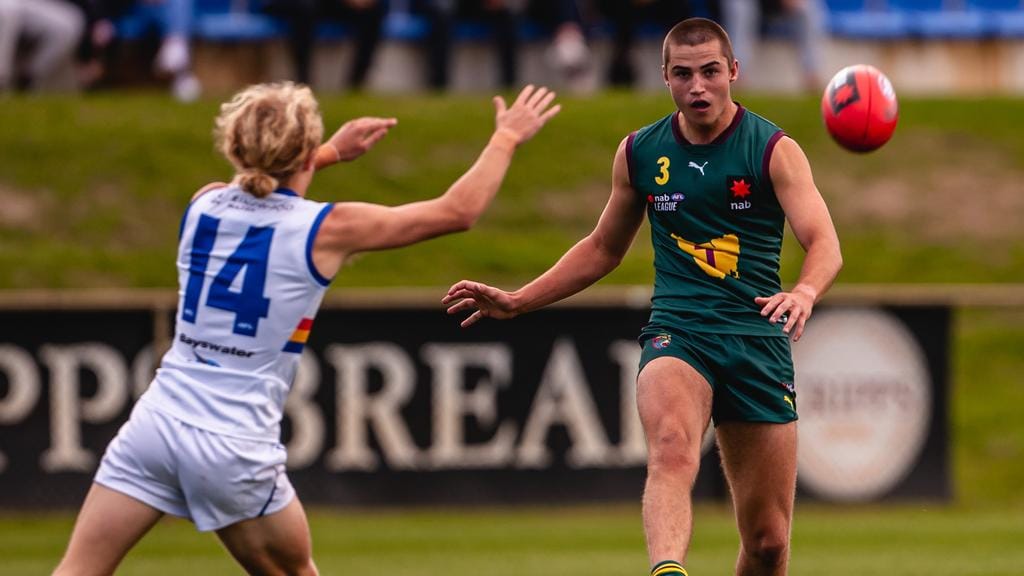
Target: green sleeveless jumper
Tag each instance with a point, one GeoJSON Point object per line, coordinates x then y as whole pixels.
{"type": "Point", "coordinates": [716, 224]}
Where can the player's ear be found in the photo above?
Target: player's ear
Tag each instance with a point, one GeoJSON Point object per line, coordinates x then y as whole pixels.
{"type": "Point", "coordinates": [734, 70]}
{"type": "Point", "coordinates": [664, 74]}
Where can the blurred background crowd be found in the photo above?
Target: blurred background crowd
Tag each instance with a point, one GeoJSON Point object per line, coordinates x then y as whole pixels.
{"type": "Point", "coordinates": [89, 44]}
{"type": "Point", "coordinates": [41, 39]}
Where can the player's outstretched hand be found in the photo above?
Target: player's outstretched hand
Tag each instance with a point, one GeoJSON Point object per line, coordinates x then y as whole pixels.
{"type": "Point", "coordinates": [356, 137]}
{"type": "Point", "coordinates": [527, 114]}
{"type": "Point", "coordinates": [486, 302]}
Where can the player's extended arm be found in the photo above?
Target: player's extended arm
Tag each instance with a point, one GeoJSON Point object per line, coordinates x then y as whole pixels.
{"type": "Point", "coordinates": [812, 225]}
{"type": "Point", "coordinates": [588, 261]}
{"type": "Point", "coordinates": [353, 227]}
{"type": "Point", "coordinates": [352, 140]}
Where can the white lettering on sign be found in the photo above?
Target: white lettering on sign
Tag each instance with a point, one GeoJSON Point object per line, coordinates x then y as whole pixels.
{"type": "Point", "coordinates": [67, 406]}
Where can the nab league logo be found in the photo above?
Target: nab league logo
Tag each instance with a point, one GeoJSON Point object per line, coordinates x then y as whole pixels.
{"type": "Point", "coordinates": [842, 92]}
{"type": "Point", "coordinates": [739, 189]}
{"type": "Point", "coordinates": [665, 202]}
{"type": "Point", "coordinates": [661, 341]}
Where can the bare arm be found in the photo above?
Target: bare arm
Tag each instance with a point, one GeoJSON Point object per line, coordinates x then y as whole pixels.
{"type": "Point", "coordinates": [353, 139]}
{"type": "Point", "coordinates": [588, 261]}
{"type": "Point", "coordinates": [353, 227]}
{"type": "Point", "coordinates": [812, 225]}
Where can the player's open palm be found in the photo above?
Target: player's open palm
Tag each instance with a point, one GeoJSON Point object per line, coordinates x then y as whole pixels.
{"type": "Point", "coordinates": [527, 114]}
{"type": "Point", "coordinates": [357, 136]}
{"type": "Point", "coordinates": [485, 301]}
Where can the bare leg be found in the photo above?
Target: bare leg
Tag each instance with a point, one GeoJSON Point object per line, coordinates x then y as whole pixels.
{"type": "Point", "coordinates": [674, 401]}
{"type": "Point", "coordinates": [59, 26]}
{"type": "Point", "coordinates": [741, 19]}
{"type": "Point", "coordinates": [276, 544]}
{"type": "Point", "coordinates": [109, 524]}
{"type": "Point", "coordinates": [760, 465]}
{"type": "Point", "coordinates": [10, 28]}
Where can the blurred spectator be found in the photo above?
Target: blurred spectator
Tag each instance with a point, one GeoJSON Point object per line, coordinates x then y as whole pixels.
{"type": "Point", "coordinates": [801, 20]}
{"type": "Point", "coordinates": [50, 29]}
{"type": "Point", "coordinates": [365, 17]}
{"type": "Point", "coordinates": [175, 56]}
{"type": "Point", "coordinates": [501, 15]}
{"type": "Point", "coordinates": [625, 18]}
{"type": "Point", "coordinates": [564, 21]}
{"type": "Point", "coordinates": [94, 45]}
{"type": "Point", "coordinates": [561, 19]}
{"type": "Point", "coordinates": [172, 20]}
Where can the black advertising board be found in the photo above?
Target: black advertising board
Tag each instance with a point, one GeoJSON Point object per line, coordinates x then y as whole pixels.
{"type": "Point", "coordinates": [67, 382]}
{"type": "Point", "coordinates": [402, 406]}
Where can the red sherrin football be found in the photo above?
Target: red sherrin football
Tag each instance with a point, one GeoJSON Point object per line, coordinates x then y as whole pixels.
{"type": "Point", "coordinates": [859, 108]}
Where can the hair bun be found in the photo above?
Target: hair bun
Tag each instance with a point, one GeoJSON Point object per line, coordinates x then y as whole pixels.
{"type": "Point", "coordinates": [256, 182]}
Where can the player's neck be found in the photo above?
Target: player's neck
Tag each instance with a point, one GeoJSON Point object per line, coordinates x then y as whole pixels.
{"type": "Point", "coordinates": [298, 182]}
{"type": "Point", "coordinates": [697, 134]}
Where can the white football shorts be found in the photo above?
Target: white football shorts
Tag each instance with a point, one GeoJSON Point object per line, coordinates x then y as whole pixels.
{"type": "Point", "coordinates": [211, 479]}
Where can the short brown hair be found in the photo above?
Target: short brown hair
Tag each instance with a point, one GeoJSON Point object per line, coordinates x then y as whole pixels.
{"type": "Point", "coordinates": [694, 32]}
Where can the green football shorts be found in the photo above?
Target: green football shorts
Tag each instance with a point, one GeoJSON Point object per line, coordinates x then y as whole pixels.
{"type": "Point", "coordinates": [751, 377]}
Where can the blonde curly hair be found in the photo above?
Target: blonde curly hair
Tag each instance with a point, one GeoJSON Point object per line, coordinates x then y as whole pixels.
{"type": "Point", "coordinates": [268, 132]}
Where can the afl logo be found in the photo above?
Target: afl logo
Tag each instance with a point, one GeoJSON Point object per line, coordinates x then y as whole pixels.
{"type": "Point", "coordinates": [843, 92]}
{"type": "Point", "coordinates": [661, 341]}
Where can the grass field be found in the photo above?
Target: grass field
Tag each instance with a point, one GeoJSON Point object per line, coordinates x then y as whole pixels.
{"type": "Point", "coordinates": [93, 187]}
{"type": "Point", "coordinates": [902, 540]}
